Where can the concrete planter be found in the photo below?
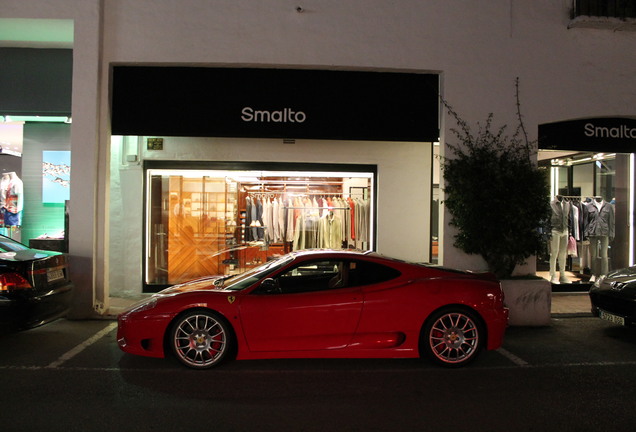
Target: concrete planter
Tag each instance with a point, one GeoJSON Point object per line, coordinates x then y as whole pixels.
{"type": "Point", "coordinates": [529, 301]}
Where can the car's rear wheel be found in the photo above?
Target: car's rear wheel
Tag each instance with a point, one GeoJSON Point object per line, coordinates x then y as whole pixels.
{"type": "Point", "coordinates": [200, 339]}
{"type": "Point", "coordinates": [453, 336]}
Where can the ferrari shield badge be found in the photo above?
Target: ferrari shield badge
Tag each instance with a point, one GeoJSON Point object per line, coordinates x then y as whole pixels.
{"type": "Point", "coordinates": [231, 299]}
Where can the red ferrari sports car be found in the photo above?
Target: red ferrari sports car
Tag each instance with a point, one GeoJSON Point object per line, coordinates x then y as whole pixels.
{"type": "Point", "coordinates": [321, 304]}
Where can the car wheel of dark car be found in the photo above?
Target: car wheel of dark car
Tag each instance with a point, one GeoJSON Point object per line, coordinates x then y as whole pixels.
{"type": "Point", "coordinates": [452, 337]}
{"type": "Point", "coordinates": [200, 339]}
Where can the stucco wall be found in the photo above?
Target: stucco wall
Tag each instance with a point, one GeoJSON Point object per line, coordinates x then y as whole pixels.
{"type": "Point", "coordinates": [478, 47]}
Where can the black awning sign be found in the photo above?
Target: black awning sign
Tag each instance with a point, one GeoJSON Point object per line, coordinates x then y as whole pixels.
{"type": "Point", "coordinates": [603, 134]}
{"type": "Point", "coordinates": [274, 103]}
{"type": "Point", "coordinates": [622, 131]}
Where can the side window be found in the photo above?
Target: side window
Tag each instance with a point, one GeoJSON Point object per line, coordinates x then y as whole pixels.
{"type": "Point", "coordinates": [368, 273]}
{"type": "Point", "coordinates": [313, 276]}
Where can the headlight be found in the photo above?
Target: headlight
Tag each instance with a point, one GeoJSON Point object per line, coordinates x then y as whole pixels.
{"type": "Point", "coordinates": [144, 305]}
{"type": "Point", "coordinates": [599, 281]}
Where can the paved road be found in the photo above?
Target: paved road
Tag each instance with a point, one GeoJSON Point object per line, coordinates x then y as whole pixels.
{"type": "Point", "coordinates": [578, 374]}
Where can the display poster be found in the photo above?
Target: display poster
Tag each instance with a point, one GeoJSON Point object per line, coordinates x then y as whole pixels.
{"type": "Point", "coordinates": [56, 176]}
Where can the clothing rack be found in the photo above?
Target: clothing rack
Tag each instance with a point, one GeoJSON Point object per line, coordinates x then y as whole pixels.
{"type": "Point", "coordinates": [293, 192]}
{"type": "Point", "coordinates": [579, 197]}
{"type": "Point", "coordinates": [317, 208]}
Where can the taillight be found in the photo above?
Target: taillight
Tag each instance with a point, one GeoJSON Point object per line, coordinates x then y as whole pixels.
{"type": "Point", "coordinates": [10, 282]}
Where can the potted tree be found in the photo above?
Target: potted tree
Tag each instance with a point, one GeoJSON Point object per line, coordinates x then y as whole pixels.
{"type": "Point", "coordinates": [498, 198]}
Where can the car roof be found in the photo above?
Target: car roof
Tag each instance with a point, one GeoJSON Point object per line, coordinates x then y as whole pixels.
{"type": "Point", "coordinates": [350, 254]}
{"type": "Point", "coordinates": [333, 252]}
{"type": "Point", "coordinates": [395, 262]}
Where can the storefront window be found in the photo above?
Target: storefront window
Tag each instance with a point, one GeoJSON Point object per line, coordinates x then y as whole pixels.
{"type": "Point", "coordinates": [588, 233]}
{"type": "Point", "coordinates": [35, 180]}
{"type": "Point", "coordinates": [203, 222]}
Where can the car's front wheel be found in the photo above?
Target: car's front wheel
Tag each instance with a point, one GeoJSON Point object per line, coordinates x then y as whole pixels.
{"type": "Point", "coordinates": [452, 337]}
{"type": "Point", "coordinates": [200, 339]}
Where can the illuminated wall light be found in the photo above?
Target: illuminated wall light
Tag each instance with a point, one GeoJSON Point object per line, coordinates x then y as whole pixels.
{"type": "Point", "coordinates": [631, 208]}
{"type": "Point", "coordinates": [554, 180]}
{"type": "Point", "coordinates": [39, 119]}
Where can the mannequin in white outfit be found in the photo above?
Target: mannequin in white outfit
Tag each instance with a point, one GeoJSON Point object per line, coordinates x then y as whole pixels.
{"type": "Point", "coordinates": [559, 241]}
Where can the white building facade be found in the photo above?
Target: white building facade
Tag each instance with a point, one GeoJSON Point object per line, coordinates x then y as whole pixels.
{"type": "Point", "coordinates": [569, 68]}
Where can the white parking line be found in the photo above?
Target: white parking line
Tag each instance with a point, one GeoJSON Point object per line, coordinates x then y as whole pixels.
{"type": "Point", "coordinates": [81, 347]}
{"type": "Point", "coordinates": [513, 358]}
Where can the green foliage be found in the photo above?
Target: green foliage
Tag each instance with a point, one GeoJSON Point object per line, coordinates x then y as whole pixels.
{"type": "Point", "coordinates": [495, 194]}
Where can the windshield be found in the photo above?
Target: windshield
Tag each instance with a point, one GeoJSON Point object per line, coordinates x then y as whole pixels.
{"type": "Point", "coordinates": [8, 245]}
{"type": "Point", "coordinates": [241, 281]}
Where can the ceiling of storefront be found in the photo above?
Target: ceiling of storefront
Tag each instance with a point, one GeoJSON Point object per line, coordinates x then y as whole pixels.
{"type": "Point", "coordinates": [36, 33]}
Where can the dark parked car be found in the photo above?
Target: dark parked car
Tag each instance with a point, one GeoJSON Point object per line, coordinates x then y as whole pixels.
{"type": "Point", "coordinates": [614, 297]}
{"type": "Point", "coordinates": [34, 285]}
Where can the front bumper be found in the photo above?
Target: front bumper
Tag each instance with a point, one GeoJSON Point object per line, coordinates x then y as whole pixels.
{"type": "Point", "coordinates": [615, 303]}
{"type": "Point", "coordinates": [142, 335]}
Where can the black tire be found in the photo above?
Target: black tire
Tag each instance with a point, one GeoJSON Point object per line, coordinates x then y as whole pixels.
{"type": "Point", "coordinates": [452, 337]}
{"type": "Point", "coordinates": [200, 339]}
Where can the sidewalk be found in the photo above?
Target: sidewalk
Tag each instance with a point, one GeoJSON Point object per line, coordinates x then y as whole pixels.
{"type": "Point", "coordinates": [571, 303]}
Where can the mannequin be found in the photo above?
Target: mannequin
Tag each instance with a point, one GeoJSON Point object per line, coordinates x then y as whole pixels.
{"type": "Point", "coordinates": [12, 199]}
{"type": "Point", "coordinates": [559, 240]}
{"type": "Point", "coordinates": [600, 232]}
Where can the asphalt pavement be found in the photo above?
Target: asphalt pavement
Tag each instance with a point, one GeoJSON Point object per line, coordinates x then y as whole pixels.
{"type": "Point", "coordinates": [578, 374]}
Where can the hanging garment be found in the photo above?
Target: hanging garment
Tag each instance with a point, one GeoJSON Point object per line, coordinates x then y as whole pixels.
{"type": "Point", "coordinates": [352, 215]}
{"type": "Point", "coordinates": [248, 219]}
{"type": "Point", "coordinates": [267, 220]}
{"type": "Point", "coordinates": [572, 249]}
{"type": "Point", "coordinates": [574, 219]}
{"type": "Point", "coordinates": [329, 229]}
{"type": "Point", "coordinates": [289, 227]}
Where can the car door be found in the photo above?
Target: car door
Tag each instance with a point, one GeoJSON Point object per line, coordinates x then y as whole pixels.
{"type": "Point", "coordinates": [314, 309]}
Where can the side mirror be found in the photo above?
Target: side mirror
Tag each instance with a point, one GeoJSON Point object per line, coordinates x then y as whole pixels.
{"type": "Point", "coordinates": [269, 286]}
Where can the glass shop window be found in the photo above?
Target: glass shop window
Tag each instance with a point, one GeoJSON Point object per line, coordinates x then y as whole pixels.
{"type": "Point", "coordinates": [588, 233]}
{"type": "Point", "coordinates": [208, 222]}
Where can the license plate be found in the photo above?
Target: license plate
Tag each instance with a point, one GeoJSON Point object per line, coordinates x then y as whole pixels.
{"type": "Point", "coordinates": [612, 318]}
{"type": "Point", "coordinates": [53, 275]}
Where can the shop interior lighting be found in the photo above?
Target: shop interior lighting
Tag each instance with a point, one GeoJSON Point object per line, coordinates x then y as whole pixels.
{"type": "Point", "coordinates": [293, 177]}
{"type": "Point", "coordinates": [574, 161]}
{"type": "Point", "coordinates": [36, 119]}
{"type": "Point", "coordinates": [554, 180]}
{"type": "Point", "coordinates": [632, 194]}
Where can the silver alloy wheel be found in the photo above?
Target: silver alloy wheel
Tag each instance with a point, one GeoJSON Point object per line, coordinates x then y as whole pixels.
{"type": "Point", "coordinates": [454, 338]}
{"type": "Point", "coordinates": [200, 339]}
